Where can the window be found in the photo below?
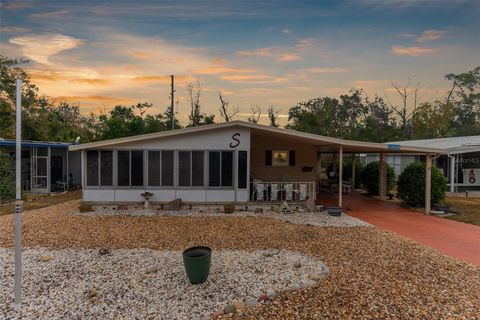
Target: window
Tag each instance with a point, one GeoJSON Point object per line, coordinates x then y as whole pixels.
{"type": "Point", "coordinates": [123, 168]}
{"type": "Point", "coordinates": [220, 169]}
{"type": "Point", "coordinates": [214, 169]}
{"type": "Point", "coordinates": [184, 168]}
{"type": "Point", "coordinates": [190, 168]}
{"type": "Point", "coordinates": [167, 168]}
{"type": "Point", "coordinates": [92, 168]}
{"type": "Point", "coordinates": [106, 168]}
{"type": "Point", "coordinates": [136, 168]}
{"type": "Point", "coordinates": [227, 168]}
{"type": "Point", "coordinates": [197, 168]}
{"type": "Point", "coordinates": [280, 158]}
{"type": "Point", "coordinates": [130, 168]}
{"type": "Point", "coordinates": [154, 168]}
{"type": "Point", "coordinates": [99, 168]}
{"type": "Point", "coordinates": [242, 169]}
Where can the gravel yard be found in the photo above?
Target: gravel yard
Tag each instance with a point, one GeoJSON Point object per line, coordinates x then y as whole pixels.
{"type": "Point", "coordinates": [147, 283]}
{"type": "Point", "coordinates": [374, 274]}
{"type": "Point", "coordinates": [318, 219]}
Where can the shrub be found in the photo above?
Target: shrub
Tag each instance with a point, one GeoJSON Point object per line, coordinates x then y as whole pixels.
{"type": "Point", "coordinates": [411, 185]}
{"type": "Point", "coordinates": [370, 177]}
{"type": "Point", "coordinates": [7, 185]}
{"type": "Point", "coordinates": [347, 171]}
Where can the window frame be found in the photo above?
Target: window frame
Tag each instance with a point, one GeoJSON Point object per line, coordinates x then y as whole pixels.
{"type": "Point", "coordinates": [99, 172]}
{"type": "Point", "coordinates": [234, 169]}
{"type": "Point", "coordinates": [143, 186]}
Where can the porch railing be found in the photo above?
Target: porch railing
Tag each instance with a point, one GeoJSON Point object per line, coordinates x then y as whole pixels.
{"type": "Point", "coordinates": [282, 191]}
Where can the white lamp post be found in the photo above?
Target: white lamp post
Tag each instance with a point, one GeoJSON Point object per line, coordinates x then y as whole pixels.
{"type": "Point", "coordinates": [18, 203]}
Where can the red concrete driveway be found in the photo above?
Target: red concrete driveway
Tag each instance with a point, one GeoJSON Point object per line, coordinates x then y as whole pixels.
{"type": "Point", "coordinates": [454, 238]}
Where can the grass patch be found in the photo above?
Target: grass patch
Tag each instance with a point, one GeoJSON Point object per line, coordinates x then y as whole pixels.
{"type": "Point", "coordinates": [467, 209]}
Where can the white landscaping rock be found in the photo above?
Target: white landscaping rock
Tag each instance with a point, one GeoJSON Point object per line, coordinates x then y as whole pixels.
{"type": "Point", "coordinates": [81, 284]}
{"type": "Point", "coordinates": [317, 219]}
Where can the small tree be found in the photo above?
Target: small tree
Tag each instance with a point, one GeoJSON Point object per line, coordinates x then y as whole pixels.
{"type": "Point", "coordinates": [411, 185]}
{"type": "Point", "coordinates": [7, 187]}
{"type": "Point", "coordinates": [370, 177]}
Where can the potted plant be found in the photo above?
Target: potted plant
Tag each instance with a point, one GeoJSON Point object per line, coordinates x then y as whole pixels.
{"type": "Point", "coordinates": [197, 263]}
{"type": "Point", "coordinates": [334, 211]}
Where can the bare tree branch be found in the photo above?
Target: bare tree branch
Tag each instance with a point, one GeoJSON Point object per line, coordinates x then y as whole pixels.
{"type": "Point", "coordinates": [226, 111]}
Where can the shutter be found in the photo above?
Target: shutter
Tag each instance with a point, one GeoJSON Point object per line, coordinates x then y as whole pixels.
{"type": "Point", "coordinates": [268, 157]}
{"type": "Point", "coordinates": [291, 158]}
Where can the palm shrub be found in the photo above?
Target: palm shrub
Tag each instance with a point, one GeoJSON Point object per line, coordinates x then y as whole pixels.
{"type": "Point", "coordinates": [411, 185]}
{"type": "Point", "coordinates": [7, 187]}
{"type": "Point", "coordinates": [370, 177]}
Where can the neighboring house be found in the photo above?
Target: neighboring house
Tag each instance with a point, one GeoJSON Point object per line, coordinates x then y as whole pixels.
{"type": "Point", "coordinates": [228, 162]}
{"type": "Point", "coordinates": [46, 166]}
{"type": "Point", "coordinates": [460, 162]}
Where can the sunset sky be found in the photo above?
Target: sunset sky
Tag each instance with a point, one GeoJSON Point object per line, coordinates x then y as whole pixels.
{"type": "Point", "coordinates": [99, 54]}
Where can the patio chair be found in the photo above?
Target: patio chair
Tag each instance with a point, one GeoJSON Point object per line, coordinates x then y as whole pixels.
{"type": "Point", "coordinates": [289, 191]}
{"type": "Point", "coordinates": [260, 189]}
{"type": "Point", "coordinates": [274, 192]}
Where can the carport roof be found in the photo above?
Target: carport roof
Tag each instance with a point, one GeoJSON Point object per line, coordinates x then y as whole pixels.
{"type": "Point", "coordinates": [324, 144]}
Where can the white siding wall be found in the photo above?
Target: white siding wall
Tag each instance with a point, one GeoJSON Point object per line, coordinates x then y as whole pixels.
{"type": "Point", "coordinates": [210, 140]}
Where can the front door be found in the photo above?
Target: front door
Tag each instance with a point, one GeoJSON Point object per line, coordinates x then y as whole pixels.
{"type": "Point", "coordinates": [56, 171]}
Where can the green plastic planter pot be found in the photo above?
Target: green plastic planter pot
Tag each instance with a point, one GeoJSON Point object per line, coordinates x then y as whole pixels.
{"type": "Point", "coordinates": [197, 263]}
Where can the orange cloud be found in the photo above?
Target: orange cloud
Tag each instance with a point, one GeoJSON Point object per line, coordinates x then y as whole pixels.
{"type": "Point", "coordinates": [90, 81]}
{"type": "Point", "coordinates": [40, 48]}
{"type": "Point", "coordinates": [412, 51]}
{"type": "Point", "coordinates": [218, 70]}
{"type": "Point", "coordinates": [96, 99]}
{"type": "Point", "coordinates": [12, 29]}
{"type": "Point", "coordinates": [245, 78]}
{"type": "Point", "coordinates": [288, 57]}
{"type": "Point", "coordinates": [430, 35]}
{"type": "Point", "coordinates": [164, 79]}
{"type": "Point", "coordinates": [326, 70]}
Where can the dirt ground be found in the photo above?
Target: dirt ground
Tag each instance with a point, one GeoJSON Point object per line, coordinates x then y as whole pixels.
{"type": "Point", "coordinates": [33, 202]}
{"type": "Point", "coordinates": [468, 209]}
{"type": "Point", "coordinates": [375, 274]}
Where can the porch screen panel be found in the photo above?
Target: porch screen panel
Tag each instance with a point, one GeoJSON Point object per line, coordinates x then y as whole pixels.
{"type": "Point", "coordinates": [167, 168]}
{"type": "Point", "coordinates": [197, 168]}
{"type": "Point", "coordinates": [92, 168]}
{"type": "Point", "coordinates": [227, 168]}
{"type": "Point", "coordinates": [242, 169]}
{"type": "Point", "coordinates": [184, 168]}
{"type": "Point", "coordinates": [106, 168]}
{"type": "Point", "coordinates": [154, 168]}
{"type": "Point", "coordinates": [136, 169]}
{"type": "Point", "coordinates": [214, 169]}
{"type": "Point", "coordinates": [123, 168]}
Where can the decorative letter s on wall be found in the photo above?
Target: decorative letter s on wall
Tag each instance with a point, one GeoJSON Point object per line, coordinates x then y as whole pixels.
{"type": "Point", "coordinates": [236, 141]}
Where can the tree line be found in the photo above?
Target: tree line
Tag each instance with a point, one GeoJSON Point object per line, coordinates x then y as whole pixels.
{"type": "Point", "coordinates": [352, 116]}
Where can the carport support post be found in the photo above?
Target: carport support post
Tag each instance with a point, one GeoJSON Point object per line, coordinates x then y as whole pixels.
{"type": "Point", "coordinates": [428, 182]}
{"type": "Point", "coordinates": [382, 176]}
{"type": "Point", "coordinates": [452, 173]}
{"type": "Point", "coordinates": [340, 176]}
{"type": "Point", "coordinates": [354, 160]}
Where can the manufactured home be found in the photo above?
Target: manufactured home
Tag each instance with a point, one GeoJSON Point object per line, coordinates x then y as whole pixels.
{"type": "Point", "coordinates": [231, 162]}
{"type": "Point", "coordinates": [460, 161]}
{"type": "Point", "coordinates": [46, 166]}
